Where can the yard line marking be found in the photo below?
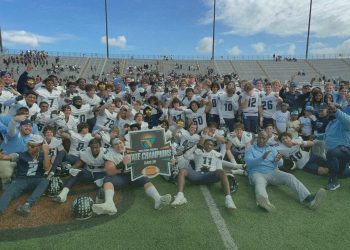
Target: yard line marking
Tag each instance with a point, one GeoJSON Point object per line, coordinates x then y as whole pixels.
{"type": "Point", "coordinates": [218, 220]}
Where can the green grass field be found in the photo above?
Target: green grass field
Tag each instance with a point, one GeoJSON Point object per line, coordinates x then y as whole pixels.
{"type": "Point", "coordinates": [292, 226]}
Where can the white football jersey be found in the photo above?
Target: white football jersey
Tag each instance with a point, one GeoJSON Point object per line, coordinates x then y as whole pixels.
{"type": "Point", "coordinates": [70, 125]}
{"type": "Point", "coordinates": [106, 120]}
{"type": "Point", "coordinates": [254, 101]}
{"type": "Point", "coordinates": [83, 113]}
{"type": "Point", "coordinates": [187, 140]}
{"type": "Point", "coordinates": [294, 153]}
{"type": "Point", "coordinates": [212, 160]}
{"type": "Point", "coordinates": [93, 164]}
{"type": "Point", "coordinates": [34, 109]}
{"type": "Point", "coordinates": [228, 105]}
{"type": "Point", "coordinates": [114, 157]}
{"type": "Point", "coordinates": [186, 102]}
{"type": "Point", "coordinates": [50, 97]}
{"type": "Point", "coordinates": [136, 95]}
{"type": "Point", "coordinates": [269, 104]}
{"type": "Point", "coordinates": [93, 102]}
{"type": "Point", "coordinates": [198, 118]}
{"type": "Point", "coordinates": [43, 119]}
{"type": "Point", "coordinates": [214, 101]}
{"type": "Point", "coordinates": [238, 145]}
{"type": "Point", "coordinates": [78, 142]}
{"type": "Point", "coordinates": [55, 145]}
{"type": "Point", "coordinates": [4, 96]}
{"type": "Point", "coordinates": [175, 114]}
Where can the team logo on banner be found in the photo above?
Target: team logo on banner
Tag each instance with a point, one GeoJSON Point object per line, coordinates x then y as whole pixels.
{"type": "Point", "coordinates": [150, 154]}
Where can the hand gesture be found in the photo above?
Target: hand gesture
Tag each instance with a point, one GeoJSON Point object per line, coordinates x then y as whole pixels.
{"type": "Point", "coordinates": [19, 118]}
{"type": "Point", "coordinates": [126, 159]}
{"type": "Point", "coordinates": [277, 157]}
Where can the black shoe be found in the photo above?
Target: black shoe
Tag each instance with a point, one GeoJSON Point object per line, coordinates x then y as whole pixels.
{"type": "Point", "coordinates": [24, 209]}
{"type": "Point", "coordinates": [233, 183]}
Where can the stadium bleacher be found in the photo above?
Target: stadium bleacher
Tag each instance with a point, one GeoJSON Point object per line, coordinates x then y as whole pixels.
{"type": "Point", "coordinates": [102, 68]}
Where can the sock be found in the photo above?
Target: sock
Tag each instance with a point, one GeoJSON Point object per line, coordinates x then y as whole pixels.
{"type": "Point", "coordinates": [64, 193]}
{"type": "Point", "coordinates": [228, 197]}
{"type": "Point", "coordinates": [109, 194]}
{"type": "Point", "coordinates": [152, 192]}
{"type": "Point", "coordinates": [180, 194]}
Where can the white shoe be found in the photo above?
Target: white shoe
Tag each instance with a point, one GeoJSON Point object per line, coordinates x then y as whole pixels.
{"type": "Point", "coordinates": [163, 201]}
{"type": "Point", "coordinates": [265, 203]}
{"type": "Point", "coordinates": [229, 203]}
{"type": "Point", "coordinates": [179, 200]}
{"type": "Point", "coordinates": [105, 208]}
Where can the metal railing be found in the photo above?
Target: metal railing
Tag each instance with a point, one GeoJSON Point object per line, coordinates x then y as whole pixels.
{"type": "Point", "coordinates": [182, 57]}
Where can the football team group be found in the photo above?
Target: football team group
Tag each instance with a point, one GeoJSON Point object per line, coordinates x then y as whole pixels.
{"type": "Point", "coordinates": [218, 126]}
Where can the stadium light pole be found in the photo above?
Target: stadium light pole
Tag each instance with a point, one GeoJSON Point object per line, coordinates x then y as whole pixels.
{"type": "Point", "coordinates": [213, 44]}
{"type": "Point", "coordinates": [308, 33]}
{"type": "Point", "coordinates": [106, 21]}
{"type": "Point", "coordinates": [1, 48]}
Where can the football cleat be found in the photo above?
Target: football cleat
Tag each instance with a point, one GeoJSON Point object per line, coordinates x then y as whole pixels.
{"type": "Point", "coordinates": [105, 208]}
{"type": "Point", "coordinates": [233, 183]}
{"type": "Point", "coordinates": [179, 200]}
{"type": "Point", "coordinates": [163, 202]}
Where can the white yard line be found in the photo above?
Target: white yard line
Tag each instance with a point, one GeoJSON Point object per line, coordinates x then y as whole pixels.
{"type": "Point", "coordinates": [218, 220]}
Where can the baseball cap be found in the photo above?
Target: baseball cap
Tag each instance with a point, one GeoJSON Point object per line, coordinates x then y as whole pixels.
{"type": "Point", "coordinates": [323, 106]}
{"type": "Point", "coordinates": [309, 108]}
{"type": "Point", "coordinates": [36, 139]}
{"type": "Point", "coordinates": [306, 84]}
{"type": "Point", "coordinates": [295, 112]}
{"type": "Point", "coordinates": [285, 104]}
{"type": "Point", "coordinates": [293, 84]}
{"type": "Point", "coordinates": [26, 122]}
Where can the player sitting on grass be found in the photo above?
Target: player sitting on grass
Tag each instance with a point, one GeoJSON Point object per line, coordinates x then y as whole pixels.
{"type": "Point", "coordinates": [291, 149]}
{"type": "Point", "coordinates": [208, 170]}
{"type": "Point", "coordinates": [31, 167]}
{"type": "Point", "coordinates": [88, 168]}
{"type": "Point", "coordinates": [117, 177]}
{"type": "Point", "coordinates": [263, 162]}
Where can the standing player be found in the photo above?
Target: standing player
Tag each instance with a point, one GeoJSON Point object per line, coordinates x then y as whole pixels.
{"type": "Point", "coordinates": [197, 114]}
{"type": "Point", "coordinates": [227, 106]}
{"type": "Point", "coordinates": [269, 101]}
{"type": "Point", "coordinates": [49, 94]}
{"type": "Point", "coordinates": [250, 103]}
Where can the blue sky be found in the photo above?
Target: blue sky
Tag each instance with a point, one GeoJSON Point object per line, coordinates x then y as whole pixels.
{"type": "Point", "coordinates": [182, 27]}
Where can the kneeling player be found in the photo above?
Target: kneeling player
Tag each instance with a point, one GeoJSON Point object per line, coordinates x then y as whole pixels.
{"type": "Point", "coordinates": [92, 159]}
{"type": "Point", "coordinates": [208, 170]}
{"type": "Point", "coordinates": [118, 178]}
{"type": "Point", "coordinates": [309, 162]}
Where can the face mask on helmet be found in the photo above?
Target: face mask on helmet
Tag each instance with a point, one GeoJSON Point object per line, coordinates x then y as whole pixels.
{"type": "Point", "coordinates": [82, 208]}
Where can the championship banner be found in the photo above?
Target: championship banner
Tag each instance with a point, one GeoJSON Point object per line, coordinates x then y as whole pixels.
{"type": "Point", "coordinates": [150, 154]}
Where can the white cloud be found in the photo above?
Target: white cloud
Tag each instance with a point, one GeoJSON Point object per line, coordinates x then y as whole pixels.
{"type": "Point", "coordinates": [21, 37]}
{"type": "Point", "coordinates": [234, 51]}
{"type": "Point", "coordinates": [283, 18]}
{"type": "Point", "coordinates": [291, 49]}
{"type": "Point", "coordinates": [204, 45]}
{"type": "Point", "coordinates": [321, 48]}
{"type": "Point", "coordinates": [259, 47]}
{"type": "Point", "coordinates": [119, 42]}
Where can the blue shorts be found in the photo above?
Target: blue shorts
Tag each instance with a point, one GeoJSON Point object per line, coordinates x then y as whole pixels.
{"type": "Point", "coordinates": [202, 178]}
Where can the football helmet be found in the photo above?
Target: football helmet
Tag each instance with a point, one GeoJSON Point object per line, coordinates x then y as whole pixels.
{"type": "Point", "coordinates": [55, 186]}
{"type": "Point", "coordinates": [82, 208]}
